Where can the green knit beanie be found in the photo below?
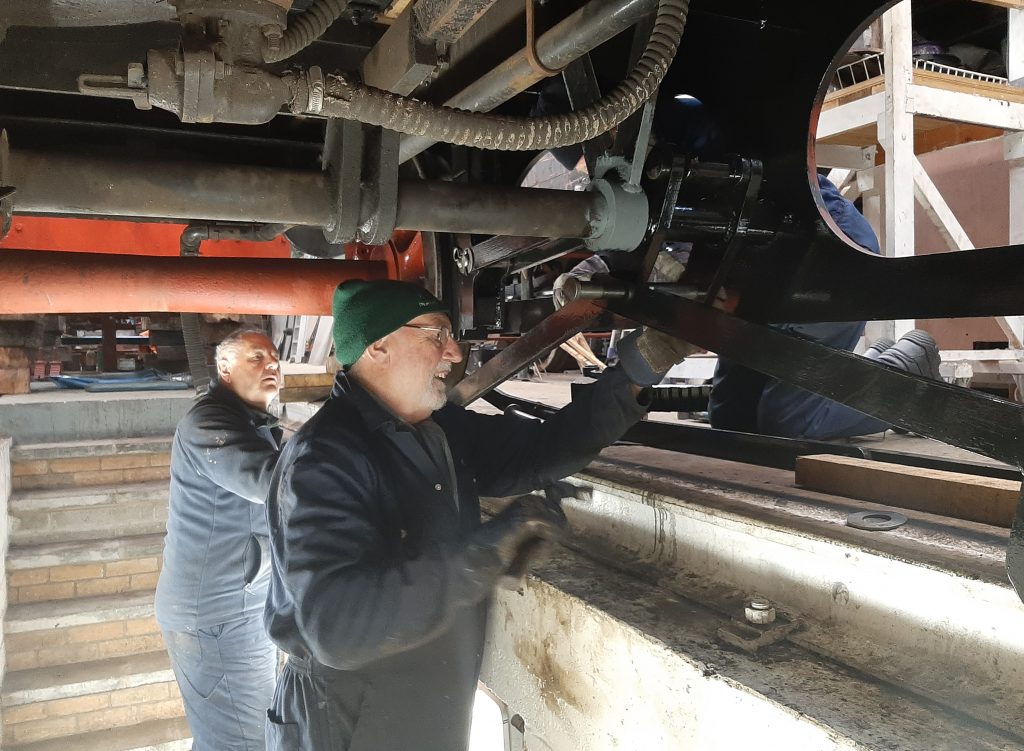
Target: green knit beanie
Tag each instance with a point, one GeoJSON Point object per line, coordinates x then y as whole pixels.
{"type": "Point", "coordinates": [367, 311]}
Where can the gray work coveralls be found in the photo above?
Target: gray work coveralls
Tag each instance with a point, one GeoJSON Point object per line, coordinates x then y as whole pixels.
{"type": "Point", "coordinates": [216, 572]}
{"type": "Point", "coordinates": [362, 517]}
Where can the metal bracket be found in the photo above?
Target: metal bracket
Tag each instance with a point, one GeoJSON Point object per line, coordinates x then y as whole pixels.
{"type": "Point", "coordinates": [751, 638]}
{"type": "Point", "coordinates": [378, 208]}
{"type": "Point", "coordinates": [362, 163]}
{"type": "Point", "coordinates": [199, 69]}
{"type": "Point", "coordinates": [132, 86]}
{"type": "Point", "coordinates": [6, 190]}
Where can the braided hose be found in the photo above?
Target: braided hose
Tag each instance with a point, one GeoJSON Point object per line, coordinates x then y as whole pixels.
{"type": "Point", "coordinates": [306, 29]}
{"type": "Point", "coordinates": [353, 101]}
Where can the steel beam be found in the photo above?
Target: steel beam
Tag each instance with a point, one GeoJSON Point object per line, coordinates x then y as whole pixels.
{"type": "Point", "coordinates": [52, 183]}
{"type": "Point", "coordinates": [65, 184]}
{"type": "Point", "coordinates": [57, 282]}
{"type": "Point", "coordinates": [590, 26]}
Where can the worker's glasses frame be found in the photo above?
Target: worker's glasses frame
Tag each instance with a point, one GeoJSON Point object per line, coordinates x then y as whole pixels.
{"type": "Point", "coordinates": [443, 334]}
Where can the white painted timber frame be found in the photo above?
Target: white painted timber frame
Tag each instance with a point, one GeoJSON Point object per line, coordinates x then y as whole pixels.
{"type": "Point", "coordinates": [905, 178]}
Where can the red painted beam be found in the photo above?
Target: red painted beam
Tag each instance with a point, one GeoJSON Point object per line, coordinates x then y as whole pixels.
{"type": "Point", "coordinates": [36, 282]}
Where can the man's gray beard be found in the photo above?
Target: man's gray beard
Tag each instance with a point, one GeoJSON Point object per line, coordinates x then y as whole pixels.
{"type": "Point", "coordinates": [438, 398]}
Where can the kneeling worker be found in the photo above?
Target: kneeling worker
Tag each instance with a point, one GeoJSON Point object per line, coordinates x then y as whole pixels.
{"type": "Point", "coordinates": [382, 570]}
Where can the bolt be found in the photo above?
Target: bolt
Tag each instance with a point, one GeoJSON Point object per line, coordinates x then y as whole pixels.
{"type": "Point", "coordinates": [136, 76]}
{"type": "Point", "coordinates": [657, 171]}
{"type": "Point", "coordinates": [464, 260]}
{"type": "Point", "coordinates": [759, 611]}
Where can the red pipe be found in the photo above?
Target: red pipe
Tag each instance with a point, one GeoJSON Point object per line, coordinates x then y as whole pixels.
{"type": "Point", "coordinates": [33, 281]}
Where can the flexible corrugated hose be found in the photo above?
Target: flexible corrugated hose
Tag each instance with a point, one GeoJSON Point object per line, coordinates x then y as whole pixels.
{"type": "Point", "coordinates": [306, 29]}
{"type": "Point", "coordinates": [350, 100]}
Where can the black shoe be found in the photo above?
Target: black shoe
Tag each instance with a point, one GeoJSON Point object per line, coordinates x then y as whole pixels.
{"type": "Point", "coordinates": [915, 353]}
{"type": "Point", "coordinates": [878, 347]}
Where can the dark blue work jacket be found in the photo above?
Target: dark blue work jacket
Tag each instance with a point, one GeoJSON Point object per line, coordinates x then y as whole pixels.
{"type": "Point", "coordinates": [363, 523]}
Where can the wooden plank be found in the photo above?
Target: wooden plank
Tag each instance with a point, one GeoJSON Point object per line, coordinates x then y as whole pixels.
{"type": "Point", "coordinates": [1002, 91]}
{"type": "Point", "coordinates": [966, 108]}
{"type": "Point", "coordinates": [1012, 4]}
{"type": "Point", "coordinates": [980, 499]}
{"type": "Point", "coordinates": [304, 394]}
{"type": "Point", "coordinates": [303, 380]}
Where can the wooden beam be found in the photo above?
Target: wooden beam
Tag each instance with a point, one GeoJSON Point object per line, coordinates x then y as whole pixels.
{"type": "Point", "coordinates": [938, 210]}
{"type": "Point", "coordinates": [1018, 4]}
{"type": "Point", "coordinates": [1015, 45]}
{"type": "Point", "coordinates": [844, 157]}
{"type": "Point", "coordinates": [987, 500]}
{"type": "Point", "coordinates": [850, 116]}
{"type": "Point", "coordinates": [966, 108]}
{"type": "Point", "coordinates": [896, 135]}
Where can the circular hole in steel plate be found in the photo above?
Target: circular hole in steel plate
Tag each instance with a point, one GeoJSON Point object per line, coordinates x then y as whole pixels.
{"type": "Point", "coordinates": [875, 521]}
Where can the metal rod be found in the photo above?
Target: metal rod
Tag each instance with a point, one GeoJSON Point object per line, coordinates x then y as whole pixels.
{"type": "Point", "coordinates": [57, 282]}
{"type": "Point", "coordinates": [61, 183]}
{"type": "Point", "coordinates": [590, 26]}
{"type": "Point", "coordinates": [539, 340]}
{"type": "Point", "coordinates": [531, 212]}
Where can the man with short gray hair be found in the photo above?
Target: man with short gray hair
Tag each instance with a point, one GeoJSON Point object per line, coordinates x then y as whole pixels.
{"type": "Point", "coordinates": [213, 585]}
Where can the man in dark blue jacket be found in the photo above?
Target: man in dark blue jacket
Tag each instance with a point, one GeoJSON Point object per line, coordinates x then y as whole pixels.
{"type": "Point", "coordinates": [382, 570]}
{"type": "Point", "coordinates": [213, 585]}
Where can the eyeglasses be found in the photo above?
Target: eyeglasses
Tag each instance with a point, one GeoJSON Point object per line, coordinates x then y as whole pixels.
{"type": "Point", "coordinates": [443, 334]}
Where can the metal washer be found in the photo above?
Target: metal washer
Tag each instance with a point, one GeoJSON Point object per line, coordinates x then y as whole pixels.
{"type": "Point", "coordinates": [875, 521]}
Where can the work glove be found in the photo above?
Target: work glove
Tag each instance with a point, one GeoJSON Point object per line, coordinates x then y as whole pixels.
{"type": "Point", "coordinates": [509, 543]}
{"type": "Point", "coordinates": [647, 354]}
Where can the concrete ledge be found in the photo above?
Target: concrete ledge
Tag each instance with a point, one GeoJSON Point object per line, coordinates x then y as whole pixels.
{"type": "Point", "coordinates": [925, 607]}
{"type": "Point", "coordinates": [84, 678]}
{"type": "Point", "coordinates": [91, 551]}
{"type": "Point", "coordinates": [591, 658]}
{"type": "Point", "coordinates": [156, 735]}
{"type": "Point", "coordinates": [69, 449]}
{"type": "Point", "coordinates": [59, 614]}
{"type": "Point", "coordinates": [54, 417]}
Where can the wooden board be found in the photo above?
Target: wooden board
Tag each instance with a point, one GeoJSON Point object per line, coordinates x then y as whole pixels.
{"type": "Point", "coordinates": [306, 387]}
{"type": "Point", "coordinates": [981, 499]}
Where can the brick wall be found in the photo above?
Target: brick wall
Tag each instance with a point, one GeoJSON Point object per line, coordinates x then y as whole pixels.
{"type": "Point", "coordinates": [83, 580]}
{"type": "Point", "coordinates": [90, 470]}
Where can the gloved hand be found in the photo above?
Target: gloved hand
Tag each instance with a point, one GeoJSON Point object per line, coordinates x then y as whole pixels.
{"type": "Point", "coordinates": [584, 271]}
{"type": "Point", "coordinates": [509, 543]}
{"type": "Point", "coordinates": [647, 354]}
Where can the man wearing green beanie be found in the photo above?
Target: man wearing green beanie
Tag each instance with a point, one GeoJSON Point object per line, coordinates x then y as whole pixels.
{"type": "Point", "coordinates": [382, 570]}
